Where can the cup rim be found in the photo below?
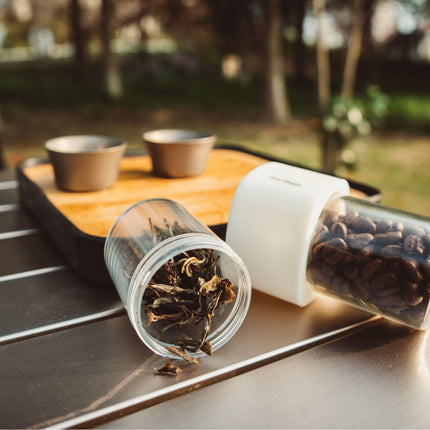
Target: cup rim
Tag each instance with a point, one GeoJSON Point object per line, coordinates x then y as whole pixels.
{"type": "Point", "coordinates": [185, 136]}
{"type": "Point", "coordinates": [94, 144]}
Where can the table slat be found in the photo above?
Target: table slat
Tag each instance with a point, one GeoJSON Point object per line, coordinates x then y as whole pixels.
{"type": "Point", "coordinates": [378, 378]}
{"type": "Point", "coordinates": [73, 372]}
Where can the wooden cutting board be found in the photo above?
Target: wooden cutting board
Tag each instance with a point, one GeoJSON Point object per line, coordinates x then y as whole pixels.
{"type": "Point", "coordinates": [208, 196]}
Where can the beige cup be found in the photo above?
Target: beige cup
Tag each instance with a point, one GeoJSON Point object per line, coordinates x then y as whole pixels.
{"type": "Point", "coordinates": [85, 162]}
{"type": "Point", "coordinates": [178, 153]}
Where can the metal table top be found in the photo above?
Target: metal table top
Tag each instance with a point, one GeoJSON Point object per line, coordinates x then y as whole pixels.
{"type": "Point", "coordinates": [70, 358]}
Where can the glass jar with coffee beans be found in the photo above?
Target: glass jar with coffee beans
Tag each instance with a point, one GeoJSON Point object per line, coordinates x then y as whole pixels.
{"type": "Point", "coordinates": [373, 257]}
{"type": "Point", "coordinates": [300, 232]}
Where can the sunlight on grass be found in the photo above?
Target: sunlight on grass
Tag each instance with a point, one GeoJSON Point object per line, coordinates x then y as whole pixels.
{"type": "Point", "coordinates": [398, 166]}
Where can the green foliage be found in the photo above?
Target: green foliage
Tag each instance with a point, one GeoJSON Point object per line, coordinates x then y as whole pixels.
{"type": "Point", "coordinates": [45, 86]}
{"type": "Point", "coordinates": [16, 35]}
{"type": "Point", "coordinates": [409, 112]}
{"type": "Point", "coordinates": [350, 119]}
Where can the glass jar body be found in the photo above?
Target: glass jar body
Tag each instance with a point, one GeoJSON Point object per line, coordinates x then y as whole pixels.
{"type": "Point", "coordinates": [157, 242]}
{"type": "Point", "coordinates": [373, 257]}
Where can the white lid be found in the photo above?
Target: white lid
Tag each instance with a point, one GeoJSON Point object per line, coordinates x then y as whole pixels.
{"type": "Point", "coordinates": [272, 219]}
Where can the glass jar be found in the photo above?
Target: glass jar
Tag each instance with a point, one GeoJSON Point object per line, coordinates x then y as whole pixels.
{"type": "Point", "coordinates": [182, 286]}
{"type": "Point", "coordinates": [373, 257]}
{"type": "Point", "coordinates": [300, 232]}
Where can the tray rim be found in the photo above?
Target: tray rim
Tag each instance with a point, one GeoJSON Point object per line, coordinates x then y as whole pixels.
{"type": "Point", "coordinates": [67, 237]}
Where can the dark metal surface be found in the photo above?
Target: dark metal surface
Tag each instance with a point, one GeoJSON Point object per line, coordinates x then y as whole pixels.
{"type": "Point", "coordinates": [109, 364]}
{"type": "Point", "coordinates": [69, 357]}
{"type": "Point", "coordinates": [46, 301]}
{"type": "Point", "coordinates": [8, 196]}
{"type": "Point", "coordinates": [378, 378]}
{"type": "Point", "coordinates": [15, 220]}
{"type": "Point", "coordinates": [26, 253]}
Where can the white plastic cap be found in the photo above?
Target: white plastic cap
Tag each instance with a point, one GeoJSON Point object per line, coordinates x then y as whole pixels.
{"type": "Point", "coordinates": [272, 219]}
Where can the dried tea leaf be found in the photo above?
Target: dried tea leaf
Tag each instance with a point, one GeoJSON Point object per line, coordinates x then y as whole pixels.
{"type": "Point", "coordinates": [207, 348]}
{"type": "Point", "coordinates": [181, 353]}
{"type": "Point", "coordinates": [188, 262]}
{"type": "Point", "coordinates": [186, 290]}
{"type": "Point", "coordinates": [228, 294]}
{"type": "Point", "coordinates": [153, 317]}
{"type": "Point", "coordinates": [209, 286]}
{"type": "Point", "coordinates": [163, 288]}
{"type": "Point", "coordinates": [168, 369]}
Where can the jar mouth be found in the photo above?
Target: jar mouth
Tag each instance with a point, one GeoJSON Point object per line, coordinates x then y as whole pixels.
{"type": "Point", "coordinates": [225, 326]}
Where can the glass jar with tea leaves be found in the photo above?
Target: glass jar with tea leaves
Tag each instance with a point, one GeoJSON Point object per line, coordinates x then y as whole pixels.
{"type": "Point", "coordinates": [309, 235]}
{"type": "Point", "coordinates": [185, 290]}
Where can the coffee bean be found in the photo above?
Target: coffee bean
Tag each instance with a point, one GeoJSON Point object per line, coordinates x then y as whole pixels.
{"type": "Point", "coordinates": [350, 217]}
{"type": "Point", "coordinates": [369, 251]}
{"type": "Point", "coordinates": [398, 226]}
{"type": "Point", "coordinates": [334, 256]}
{"type": "Point", "coordinates": [392, 251]}
{"type": "Point", "coordinates": [340, 284]}
{"type": "Point", "coordinates": [413, 245]}
{"type": "Point", "coordinates": [359, 240]}
{"type": "Point", "coordinates": [390, 238]}
{"type": "Point", "coordinates": [337, 243]}
{"type": "Point", "coordinates": [350, 270]}
{"type": "Point", "coordinates": [384, 284]}
{"type": "Point", "coordinates": [412, 271]}
{"type": "Point", "coordinates": [425, 268]}
{"type": "Point", "coordinates": [426, 241]}
{"type": "Point", "coordinates": [411, 294]}
{"type": "Point", "coordinates": [338, 229]}
{"type": "Point", "coordinates": [384, 226]}
{"type": "Point", "coordinates": [322, 234]}
{"type": "Point", "coordinates": [329, 217]}
{"type": "Point", "coordinates": [317, 276]}
{"type": "Point", "coordinates": [319, 248]}
{"type": "Point", "coordinates": [328, 270]}
{"type": "Point", "coordinates": [393, 302]}
{"type": "Point", "coordinates": [341, 218]}
{"type": "Point", "coordinates": [372, 268]}
{"type": "Point", "coordinates": [411, 230]}
{"type": "Point", "coordinates": [363, 224]}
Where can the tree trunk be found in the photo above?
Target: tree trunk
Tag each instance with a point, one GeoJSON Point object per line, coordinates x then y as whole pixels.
{"type": "Point", "coordinates": [276, 103]}
{"type": "Point", "coordinates": [323, 60]}
{"type": "Point", "coordinates": [328, 148]}
{"type": "Point", "coordinates": [367, 44]}
{"type": "Point", "coordinates": [299, 48]}
{"type": "Point", "coordinates": [79, 41]}
{"type": "Point", "coordinates": [354, 49]}
{"type": "Point", "coordinates": [112, 80]}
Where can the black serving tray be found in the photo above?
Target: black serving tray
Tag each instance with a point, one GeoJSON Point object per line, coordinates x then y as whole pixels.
{"type": "Point", "coordinates": [83, 251]}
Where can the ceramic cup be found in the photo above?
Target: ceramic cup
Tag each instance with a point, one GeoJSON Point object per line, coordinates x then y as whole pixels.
{"type": "Point", "coordinates": [85, 162]}
{"type": "Point", "coordinates": [178, 153]}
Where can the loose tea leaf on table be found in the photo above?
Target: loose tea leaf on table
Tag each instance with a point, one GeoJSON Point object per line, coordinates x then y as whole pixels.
{"type": "Point", "coordinates": [168, 369]}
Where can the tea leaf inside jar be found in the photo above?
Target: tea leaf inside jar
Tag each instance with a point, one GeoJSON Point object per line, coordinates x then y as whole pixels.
{"type": "Point", "coordinates": [185, 296]}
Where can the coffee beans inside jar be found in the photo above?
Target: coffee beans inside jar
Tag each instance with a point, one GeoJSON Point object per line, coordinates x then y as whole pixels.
{"type": "Point", "coordinates": [373, 257]}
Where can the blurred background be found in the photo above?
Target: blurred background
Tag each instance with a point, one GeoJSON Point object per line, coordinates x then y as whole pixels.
{"type": "Point", "coordinates": [342, 86]}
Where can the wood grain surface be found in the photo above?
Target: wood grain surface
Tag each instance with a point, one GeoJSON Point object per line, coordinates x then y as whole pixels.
{"type": "Point", "coordinates": [208, 196]}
